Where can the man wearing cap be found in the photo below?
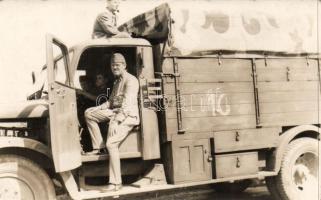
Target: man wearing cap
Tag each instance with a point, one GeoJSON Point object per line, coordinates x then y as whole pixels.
{"type": "Point", "coordinates": [105, 25]}
{"type": "Point", "coordinates": [122, 111]}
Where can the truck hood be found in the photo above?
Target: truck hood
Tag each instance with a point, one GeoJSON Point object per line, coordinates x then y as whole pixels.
{"type": "Point", "coordinates": [23, 110]}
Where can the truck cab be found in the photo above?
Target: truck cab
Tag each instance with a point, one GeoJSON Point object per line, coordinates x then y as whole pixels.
{"type": "Point", "coordinates": [87, 59]}
{"type": "Point", "coordinates": [54, 114]}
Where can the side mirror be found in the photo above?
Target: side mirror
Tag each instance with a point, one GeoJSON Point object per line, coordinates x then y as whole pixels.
{"type": "Point", "coordinates": [33, 76]}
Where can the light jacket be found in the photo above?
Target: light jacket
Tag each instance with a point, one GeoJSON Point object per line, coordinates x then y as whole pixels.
{"type": "Point", "coordinates": [124, 97]}
{"type": "Point", "coordinates": [105, 25]}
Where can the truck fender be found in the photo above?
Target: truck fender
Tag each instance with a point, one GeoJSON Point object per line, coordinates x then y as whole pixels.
{"type": "Point", "coordinates": [26, 143]}
{"type": "Point", "coordinates": [285, 139]}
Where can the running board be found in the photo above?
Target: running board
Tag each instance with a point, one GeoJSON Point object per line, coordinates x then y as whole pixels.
{"type": "Point", "coordinates": [123, 155]}
{"type": "Point", "coordinates": [97, 191]}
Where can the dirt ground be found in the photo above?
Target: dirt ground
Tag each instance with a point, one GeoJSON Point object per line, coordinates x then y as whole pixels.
{"type": "Point", "coordinates": [198, 193]}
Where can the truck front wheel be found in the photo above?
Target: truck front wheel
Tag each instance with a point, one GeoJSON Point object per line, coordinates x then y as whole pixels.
{"type": "Point", "coordinates": [21, 178]}
{"type": "Point", "coordinates": [298, 176]}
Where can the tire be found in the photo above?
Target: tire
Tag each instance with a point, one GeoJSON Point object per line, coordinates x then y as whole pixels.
{"type": "Point", "coordinates": [236, 187]}
{"type": "Point", "coordinates": [21, 178]}
{"type": "Point", "coordinates": [298, 176]}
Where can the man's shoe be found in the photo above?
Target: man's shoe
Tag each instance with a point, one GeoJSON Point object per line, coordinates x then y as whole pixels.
{"type": "Point", "coordinates": [113, 187]}
{"type": "Point", "coordinates": [96, 152]}
{"type": "Point", "coordinates": [103, 151]}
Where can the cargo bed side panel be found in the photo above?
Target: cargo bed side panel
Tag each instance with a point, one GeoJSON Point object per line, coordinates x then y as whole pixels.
{"type": "Point", "coordinates": [215, 94]}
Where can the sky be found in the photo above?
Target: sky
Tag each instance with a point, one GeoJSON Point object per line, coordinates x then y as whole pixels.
{"type": "Point", "coordinates": [24, 25]}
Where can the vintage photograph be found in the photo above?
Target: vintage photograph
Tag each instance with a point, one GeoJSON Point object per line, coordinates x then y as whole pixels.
{"type": "Point", "coordinates": [160, 99]}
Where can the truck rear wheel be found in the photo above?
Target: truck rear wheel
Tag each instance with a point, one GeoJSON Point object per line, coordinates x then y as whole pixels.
{"type": "Point", "coordinates": [298, 176]}
{"type": "Point", "coordinates": [21, 178]}
{"type": "Point", "coordinates": [236, 187]}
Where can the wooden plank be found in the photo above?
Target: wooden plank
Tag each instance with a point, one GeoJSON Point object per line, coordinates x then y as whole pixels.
{"type": "Point", "coordinates": [290, 118]}
{"type": "Point", "coordinates": [287, 69]}
{"type": "Point", "coordinates": [211, 65]}
{"type": "Point", "coordinates": [212, 77]}
{"type": "Point", "coordinates": [208, 70]}
{"type": "Point", "coordinates": [290, 96]}
{"type": "Point", "coordinates": [278, 63]}
{"type": "Point", "coordinates": [283, 74]}
{"type": "Point", "coordinates": [238, 140]}
{"type": "Point", "coordinates": [310, 74]}
{"type": "Point", "coordinates": [205, 88]}
{"type": "Point", "coordinates": [191, 65]}
{"type": "Point", "coordinates": [210, 99]}
{"type": "Point", "coordinates": [192, 136]}
{"type": "Point", "coordinates": [204, 124]}
{"type": "Point", "coordinates": [285, 86]}
{"type": "Point", "coordinates": [230, 165]}
{"type": "Point", "coordinates": [284, 107]}
{"type": "Point", "coordinates": [271, 75]}
{"type": "Point", "coordinates": [212, 110]}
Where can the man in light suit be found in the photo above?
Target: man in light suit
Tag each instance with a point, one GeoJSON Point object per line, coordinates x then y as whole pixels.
{"type": "Point", "coordinates": [122, 111]}
{"type": "Point", "coordinates": [105, 25]}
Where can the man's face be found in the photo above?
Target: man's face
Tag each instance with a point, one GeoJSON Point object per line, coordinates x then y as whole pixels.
{"type": "Point", "coordinates": [118, 68]}
{"type": "Point", "coordinates": [100, 80]}
{"type": "Point", "coordinates": [113, 4]}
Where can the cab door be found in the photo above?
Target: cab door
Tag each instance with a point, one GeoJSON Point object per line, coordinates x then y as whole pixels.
{"type": "Point", "coordinates": [65, 144]}
{"type": "Point", "coordinates": [149, 91]}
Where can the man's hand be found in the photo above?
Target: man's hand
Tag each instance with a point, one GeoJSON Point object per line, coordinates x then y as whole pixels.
{"type": "Point", "coordinates": [92, 109]}
{"type": "Point", "coordinates": [119, 118]}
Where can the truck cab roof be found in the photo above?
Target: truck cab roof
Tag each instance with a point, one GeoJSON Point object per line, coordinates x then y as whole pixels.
{"type": "Point", "coordinates": [112, 42]}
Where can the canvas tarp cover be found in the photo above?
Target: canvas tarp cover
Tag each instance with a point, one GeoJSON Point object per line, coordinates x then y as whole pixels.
{"type": "Point", "coordinates": [210, 26]}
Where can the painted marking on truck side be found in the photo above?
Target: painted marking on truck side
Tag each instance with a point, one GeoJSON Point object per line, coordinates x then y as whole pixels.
{"type": "Point", "coordinates": [217, 102]}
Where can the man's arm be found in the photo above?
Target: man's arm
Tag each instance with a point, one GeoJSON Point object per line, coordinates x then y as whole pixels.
{"type": "Point", "coordinates": [106, 22]}
{"type": "Point", "coordinates": [86, 94]}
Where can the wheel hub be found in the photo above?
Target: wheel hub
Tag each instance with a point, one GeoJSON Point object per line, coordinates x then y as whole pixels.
{"type": "Point", "coordinates": [305, 175]}
{"type": "Point", "coordinates": [14, 189]}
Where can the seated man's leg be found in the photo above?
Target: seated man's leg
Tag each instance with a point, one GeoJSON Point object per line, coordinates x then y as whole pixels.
{"type": "Point", "coordinates": [116, 134]}
{"type": "Point", "coordinates": [93, 117]}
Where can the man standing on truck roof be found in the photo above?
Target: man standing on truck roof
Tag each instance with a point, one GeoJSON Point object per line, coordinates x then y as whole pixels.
{"type": "Point", "coordinates": [122, 111]}
{"type": "Point", "coordinates": [105, 25]}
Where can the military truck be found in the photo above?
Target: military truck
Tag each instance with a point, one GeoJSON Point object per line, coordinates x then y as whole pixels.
{"type": "Point", "coordinates": [224, 98]}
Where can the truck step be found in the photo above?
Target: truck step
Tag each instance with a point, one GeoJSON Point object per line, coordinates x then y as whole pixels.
{"type": "Point", "coordinates": [123, 155]}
